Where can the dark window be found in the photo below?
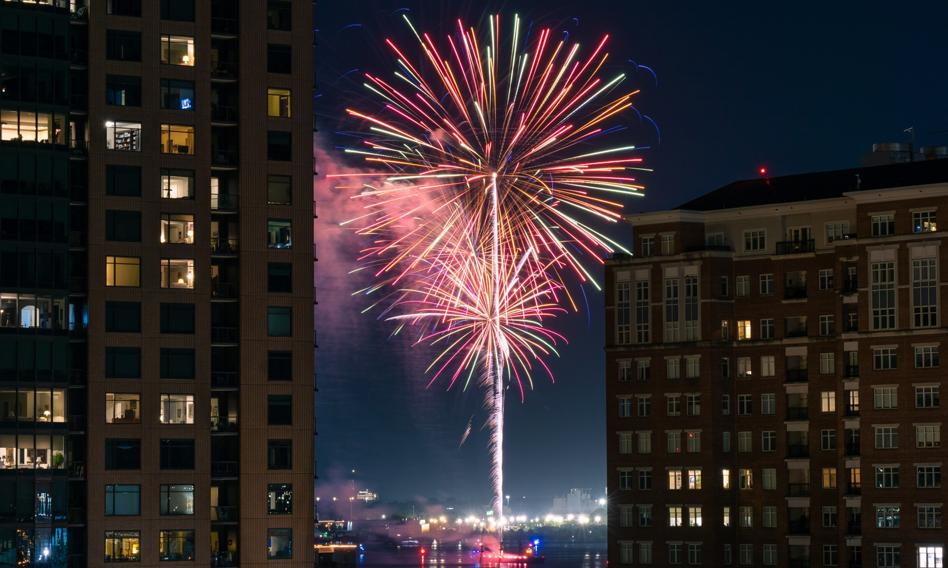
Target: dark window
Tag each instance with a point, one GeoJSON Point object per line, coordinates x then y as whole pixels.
{"type": "Point", "coordinates": [280, 365]}
{"type": "Point", "coordinates": [124, 7]}
{"type": "Point", "coordinates": [121, 500]}
{"type": "Point", "coordinates": [279, 277]}
{"type": "Point", "coordinates": [123, 317]}
{"type": "Point", "coordinates": [180, 10]}
{"type": "Point", "coordinates": [279, 499]}
{"type": "Point", "coordinates": [177, 453]}
{"type": "Point", "coordinates": [123, 45]}
{"type": "Point", "coordinates": [123, 90]}
{"type": "Point", "coordinates": [279, 190]}
{"type": "Point", "coordinates": [279, 321]}
{"type": "Point", "coordinates": [279, 454]}
{"type": "Point", "coordinates": [279, 410]}
{"type": "Point", "coordinates": [123, 226]}
{"type": "Point", "coordinates": [177, 363]}
{"type": "Point", "coordinates": [177, 94]}
{"type": "Point", "coordinates": [123, 180]}
{"type": "Point", "coordinates": [279, 145]}
{"type": "Point", "coordinates": [279, 15]}
{"type": "Point", "coordinates": [177, 318]}
{"type": "Point", "coordinates": [279, 58]}
{"type": "Point", "coordinates": [279, 544]}
{"type": "Point", "coordinates": [123, 453]}
{"type": "Point", "coordinates": [123, 363]}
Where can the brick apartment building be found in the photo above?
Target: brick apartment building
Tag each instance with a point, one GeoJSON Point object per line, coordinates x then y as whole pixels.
{"type": "Point", "coordinates": [773, 375]}
{"type": "Point", "coordinates": [156, 283]}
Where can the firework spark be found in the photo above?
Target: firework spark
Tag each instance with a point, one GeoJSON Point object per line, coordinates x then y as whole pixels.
{"type": "Point", "coordinates": [489, 171]}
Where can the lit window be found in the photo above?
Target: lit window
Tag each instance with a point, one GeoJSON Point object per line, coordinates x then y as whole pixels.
{"type": "Point", "coordinates": [122, 408]}
{"type": "Point", "coordinates": [674, 479]}
{"type": "Point", "coordinates": [674, 516]}
{"type": "Point", "coordinates": [123, 546]}
{"type": "Point", "coordinates": [177, 184]}
{"type": "Point", "coordinates": [931, 557]}
{"type": "Point", "coordinates": [176, 545]}
{"type": "Point", "coordinates": [829, 478]}
{"type": "Point", "coordinates": [279, 544]}
{"type": "Point", "coordinates": [176, 500]}
{"type": "Point", "coordinates": [928, 435]}
{"type": "Point", "coordinates": [828, 401]}
{"type": "Point", "coordinates": [124, 271]}
{"type": "Point", "coordinates": [177, 273]}
{"type": "Point", "coordinates": [177, 409]}
{"type": "Point", "coordinates": [744, 332]}
{"type": "Point", "coordinates": [123, 136]}
{"type": "Point", "coordinates": [279, 499]}
{"type": "Point", "coordinates": [177, 139]}
{"type": "Point", "coordinates": [177, 228]}
{"type": "Point", "coordinates": [279, 233]}
{"type": "Point", "coordinates": [278, 102]}
{"type": "Point", "coordinates": [24, 126]}
{"type": "Point", "coordinates": [177, 50]}
{"type": "Point", "coordinates": [924, 222]}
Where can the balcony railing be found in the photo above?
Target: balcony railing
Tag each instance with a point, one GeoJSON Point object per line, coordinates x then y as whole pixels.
{"type": "Point", "coordinates": [850, 286]}
{"type": "Point", "coordinates": [798, 413]}
{"type": "Point", "coordinates": [851, 449]}
{"type": "Point", "coordinates": [852, 371]}
{"type": "Point", "coordinates": [224, 468]}
{"type": "Point", "coordinates": [224, 245]}
{"type": "Point", "coordinates": [225, 379]}
{"type": "Point", "coordinates": [798, 451]}
{"type": "Point", "coordinates": [219, 424]}
{"type": "Point", "coordinates": [796, 247]}
{"type": "Point", "coordinates": [854, 529]}
{"type": "Point", "coordinates": [224, 26]}
{"type": "Point", "coordinates": [224, 289]}
{"type": "Point", "coordinates": [795, 331]}
{"type": "Point", "coordinates": [799, 526]}
{"type": "Point", "coordinates": [796, 375]}
{"type": "Point", "coordinates": [223, 113]}
{"type": "Point", "coordinates": [794, 291]}
{"type": "Point", "coordinates": [224, 514]}
{"type": "Point", "coordinates": [851, 411]}
{"type": "Point", "coordinates": [224, 560]}
{"type": "Point", "coordinates": [853, 489]}
{"type": "Point", "coordinates": [798, 489]}
{"type": "Point", "coordinates": [224, 70]}
{"type": "Point", "coordinates": [224, 334]}
{"type": "Point", "coordinates": [224, 158]}
{"type": "Point", "coordinates": [224, 201]}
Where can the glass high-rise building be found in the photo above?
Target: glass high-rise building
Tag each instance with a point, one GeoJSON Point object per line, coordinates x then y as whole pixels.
{"type": "Point", "coordinates": [156, 262]}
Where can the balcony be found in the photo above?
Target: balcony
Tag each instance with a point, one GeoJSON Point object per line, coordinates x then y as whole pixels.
{"type": "Point", "coordinates": [224, 334]}
{"type": "Point", "coordinates": [852, 371]}
{"type": "Point", "coordinates": [851, 450]}
{"type": "Point", "coordinates": [222, 514]}
{"type": "Point", "coordinates": [224, 560]}
{"type": "Point", "coordinates": [796, 375]}
{"type": "Point", "coordinates": [798, 489]}
{"type": "Point", "coordinates": [224, 26]}
{"type": "Point", "coordinates": [219, 424]}
{"type": "Point", "coordinates": [798, 451]}
{"type": "Point", "coordinates": [224, 158]}
{"type": "Point", "coordinates": [795, 331]}
{"type": "Point", "coordinates": [796, 247]}
{"type": "Point", "coordinates": [222, 113]}
{"type": "Point", "coordinates": [224, 246]}
{"type": "Point", "coordinates": [799, 563]}
{"type": "Point", "coordinates": [225, 379]}
{"type": "Point", "coordinates": [798, 526]}
{"type": "Point", "coordinates": [224, 468]}
{"type": "Point", "coordinates": [851, 411]}
{"type": "Point", "coordinates": [221, 290]}
{"type": "Point", "coordinates": [853, 489]}
{"type": "Point", "coordinates": [224, 202]}
{"type": "Point", "coordinates": [798, 413]}
{"type": "Point", "coordinates": [794, 292]}
{"type": "Point", "coordinates": [850, 286]}
{"type": "Point", "coordinates": [226, 70]}
{"type": "Point", "coordinates": [854, 529]}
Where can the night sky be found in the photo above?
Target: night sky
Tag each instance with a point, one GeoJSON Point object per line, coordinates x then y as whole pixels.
{"type": "Point", "coordinates": [806, 87]}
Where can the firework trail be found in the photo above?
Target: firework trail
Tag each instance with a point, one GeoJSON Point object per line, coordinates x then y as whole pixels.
{"type": "Point", "coordinates": [489, 167]}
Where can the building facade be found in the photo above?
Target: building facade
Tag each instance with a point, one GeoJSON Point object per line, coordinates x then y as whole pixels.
{"type": "Point", "coordinates": [157, 269]}
{"type": "Point", "coordinates": [773, 375]}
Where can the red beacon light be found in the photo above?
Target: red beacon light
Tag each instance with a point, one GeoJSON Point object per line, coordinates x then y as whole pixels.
{"type": "Point", "coordinates": [762, 171]}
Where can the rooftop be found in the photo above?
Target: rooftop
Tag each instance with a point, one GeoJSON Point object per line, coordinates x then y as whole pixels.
{"type": "Point", "coordinates": [819, 185]}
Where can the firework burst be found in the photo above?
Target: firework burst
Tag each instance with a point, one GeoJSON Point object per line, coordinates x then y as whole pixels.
{"type": "Point", "coordinates": [490, 168]}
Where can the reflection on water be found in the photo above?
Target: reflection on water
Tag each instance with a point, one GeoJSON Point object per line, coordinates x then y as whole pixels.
{"type": "Point", "coordinates": [566, 556]}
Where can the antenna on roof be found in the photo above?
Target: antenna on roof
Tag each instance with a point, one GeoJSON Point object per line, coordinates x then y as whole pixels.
{"type": "Point", "coordinates": [911, 132]}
